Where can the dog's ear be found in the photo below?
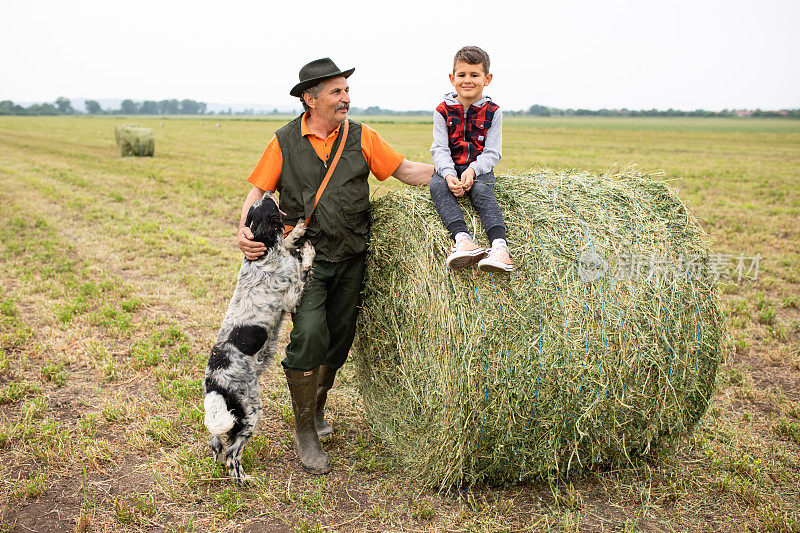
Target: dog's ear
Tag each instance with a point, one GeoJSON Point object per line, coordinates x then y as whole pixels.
{"type": "Point", "coordinates": [249, 218]}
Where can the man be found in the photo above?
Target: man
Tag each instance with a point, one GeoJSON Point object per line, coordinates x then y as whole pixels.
{"type": "Point", "coordinates": [294, 164]}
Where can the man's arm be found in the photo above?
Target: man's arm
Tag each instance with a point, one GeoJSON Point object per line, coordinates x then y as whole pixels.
{"type": "Point", "coordinates": [252, 249]}
{"type": "Point", "coordinates": [264, 178]}
{"type": "Point", "coordinates": [414, 173]}
{"type": "Point", "coordinates": [382, 158]}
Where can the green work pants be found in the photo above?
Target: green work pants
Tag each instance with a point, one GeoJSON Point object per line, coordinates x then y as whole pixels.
{"type": "Point", "coordinates": [324, 323]}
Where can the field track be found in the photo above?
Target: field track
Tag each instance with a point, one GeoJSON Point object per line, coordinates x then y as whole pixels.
{"type": "Point", "coordinates": [115, 273]}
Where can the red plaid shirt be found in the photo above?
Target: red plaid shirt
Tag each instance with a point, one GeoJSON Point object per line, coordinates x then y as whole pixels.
{"type": "Point", "coordinates": [466, 132]}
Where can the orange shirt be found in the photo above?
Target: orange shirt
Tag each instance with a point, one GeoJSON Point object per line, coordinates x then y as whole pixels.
{"type": "Point", "coordinates": [381, 158]}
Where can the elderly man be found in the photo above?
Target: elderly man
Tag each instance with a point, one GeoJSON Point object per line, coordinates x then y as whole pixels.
{"type": "Point", "coordinates": [294, 164]}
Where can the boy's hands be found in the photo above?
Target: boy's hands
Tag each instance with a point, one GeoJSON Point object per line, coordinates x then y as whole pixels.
{"type": "Point", "coordinates": [460, 187]}
{"type": "Point", "coordinates": [467, 179]}
{"type": "Point", "coordinates": [454, 185]}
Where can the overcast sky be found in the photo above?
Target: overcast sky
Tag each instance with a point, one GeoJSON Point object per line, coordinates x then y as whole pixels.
{"type": "Point", "coordinates": [579, 54]}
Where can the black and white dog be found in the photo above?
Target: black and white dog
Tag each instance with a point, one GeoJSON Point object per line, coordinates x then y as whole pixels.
{"type": "Point", "coordinates": [268, 288]}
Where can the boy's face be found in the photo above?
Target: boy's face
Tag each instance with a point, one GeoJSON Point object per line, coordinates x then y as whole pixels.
{"type": "Point", "coordinates": [469, 80]}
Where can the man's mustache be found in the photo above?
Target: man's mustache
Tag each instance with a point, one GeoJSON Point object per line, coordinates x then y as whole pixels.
{"type": "Point", "coordinates": [342, 106]}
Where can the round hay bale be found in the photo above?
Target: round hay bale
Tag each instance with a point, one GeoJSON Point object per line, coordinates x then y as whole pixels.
{"type": "Point", "coordinates": [564, 364]}
{"type": "Point", "coordinates": [136, 141]}
{"type": "Point", "coordinates": [119, 127]}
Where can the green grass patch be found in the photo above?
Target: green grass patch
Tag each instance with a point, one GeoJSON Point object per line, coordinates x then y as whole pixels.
{"type": "Point", "coordinates": [55, 372]}
{"type": "Point", "coordinates": [8, 308]}
{"type": "Point", "coordinates": [31, 487]}
{"type": "Point", "coordinates": [115, 413]}
{"type": "Point", "coordinates": [766, 315]}
{"type": "Point", "coordinates": [135, 508]}
{"type": "Point", "coordinates": [9, 433]}
{"type": "Point", "coordinates": [35, 408]}
{"type": "Point", "coordinates": [132, 304]}
{"type": "Point", "coordinates": [13, 391]}
{"type": "Point", "coordinates": [88, 424]}
{"type": "Point", "coordinates": [162, 431]}
{"type": "Point", "coordinates": [788, 430]}
{"type": "Point", "coordinates": [181, 389]}
{"type": "Point", "coordinates": [229, 502]}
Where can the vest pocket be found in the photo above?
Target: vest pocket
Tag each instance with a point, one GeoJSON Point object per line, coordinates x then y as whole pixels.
{"type": "Point", "coordinates": [354, 197]}
{"type": "Point", "coordinates": [357, 222]}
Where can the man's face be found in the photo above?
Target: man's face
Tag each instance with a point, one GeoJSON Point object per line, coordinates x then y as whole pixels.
{"type": "Point", "coordinates": [333, 102]}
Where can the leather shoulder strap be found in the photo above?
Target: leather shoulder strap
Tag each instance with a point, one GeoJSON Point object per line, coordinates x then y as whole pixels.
{"type": "Point", "coordinates": [327, 178]}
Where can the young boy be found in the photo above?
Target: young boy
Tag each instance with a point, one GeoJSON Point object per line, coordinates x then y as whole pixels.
{"type": "Point", "coordinates": [467, 144]}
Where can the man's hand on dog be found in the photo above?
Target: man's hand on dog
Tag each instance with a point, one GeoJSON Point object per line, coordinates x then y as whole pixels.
{"type": "Point", "coordinates": [251, 249]}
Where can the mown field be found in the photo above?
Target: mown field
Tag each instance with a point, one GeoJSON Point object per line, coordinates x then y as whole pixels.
{"type": "Point", "coordinates": [115, 274]}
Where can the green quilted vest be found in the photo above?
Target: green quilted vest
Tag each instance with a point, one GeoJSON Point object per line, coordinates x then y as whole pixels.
{"type": "Point", "coordinates": [339, 228]}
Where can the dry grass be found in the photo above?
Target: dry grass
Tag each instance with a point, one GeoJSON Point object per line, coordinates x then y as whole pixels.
{"type": "Point", "coordinates": [116, 272]}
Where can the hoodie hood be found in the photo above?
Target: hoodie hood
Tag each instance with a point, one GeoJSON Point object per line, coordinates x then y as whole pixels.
{"type": "Point", "coordinates": [450, 99]}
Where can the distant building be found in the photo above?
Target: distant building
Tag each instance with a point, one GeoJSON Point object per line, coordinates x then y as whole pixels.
{"type": "Point", "coordinates": [743, 112]}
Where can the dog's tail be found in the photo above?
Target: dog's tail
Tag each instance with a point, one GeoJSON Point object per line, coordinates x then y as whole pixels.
{"type": "Point", "coordinates": [218, 419]}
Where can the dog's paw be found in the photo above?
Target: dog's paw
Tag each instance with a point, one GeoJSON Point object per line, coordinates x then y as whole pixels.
{"type": "Point", "coordinates": [290, 241]}
{"type": "Point", "coordinates": [217, 449]}
{"type": "Point", "coordinates": [219, 456]}
{"type": "Point", "coordinates": [244, 480]}
{"type": "Point", "coordinates": [308, 253]}
{"type": "Point", "coordinates": [299, 230]}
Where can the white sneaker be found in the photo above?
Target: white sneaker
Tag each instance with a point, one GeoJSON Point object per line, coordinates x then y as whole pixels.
{"type": "Point", "coordinates": [464, 254]}
{"type": "Point", "coordinates": [498, 260]}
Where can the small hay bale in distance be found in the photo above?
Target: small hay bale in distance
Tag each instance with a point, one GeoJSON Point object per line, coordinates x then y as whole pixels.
{"type": "Point", "coordinates": [565, 364]}
{"type": "Point", "coordinates": [136, 141]}
{"type": "Point", "coordinates": [119, 127]}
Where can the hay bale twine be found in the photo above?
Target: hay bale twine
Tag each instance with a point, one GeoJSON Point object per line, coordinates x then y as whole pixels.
{"type": "Point", "coordinates": [137, 141]}
{"type": "Point", "coordinates": [564, 364]}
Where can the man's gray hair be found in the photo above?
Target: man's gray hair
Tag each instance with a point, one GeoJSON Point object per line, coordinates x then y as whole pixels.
{"type": "Point", "coordinates": [314, 91]}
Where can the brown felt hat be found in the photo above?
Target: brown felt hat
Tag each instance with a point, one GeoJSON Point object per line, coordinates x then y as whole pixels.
{"type": "Point", "coordinates": [316, 71]}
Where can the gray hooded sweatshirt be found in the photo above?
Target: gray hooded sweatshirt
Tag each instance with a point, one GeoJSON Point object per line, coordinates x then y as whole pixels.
{"type": "Point", "coordinates": [492, 150]}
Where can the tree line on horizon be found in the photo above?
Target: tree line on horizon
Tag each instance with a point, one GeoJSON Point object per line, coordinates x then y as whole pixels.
{"type": "Point", "coordinates": [63, 106]}
{"type": "Point", "coordinates": [544, 111]}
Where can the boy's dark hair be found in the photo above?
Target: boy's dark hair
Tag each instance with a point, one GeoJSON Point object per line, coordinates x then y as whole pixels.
{"type": "Point", "coordinates": [472, 55]}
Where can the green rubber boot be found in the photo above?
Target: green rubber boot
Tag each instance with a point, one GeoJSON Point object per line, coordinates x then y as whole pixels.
{"type": "Point", "coordinates": [325, 382]}
{"type": "Point", "coordinates": [303, 389]}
